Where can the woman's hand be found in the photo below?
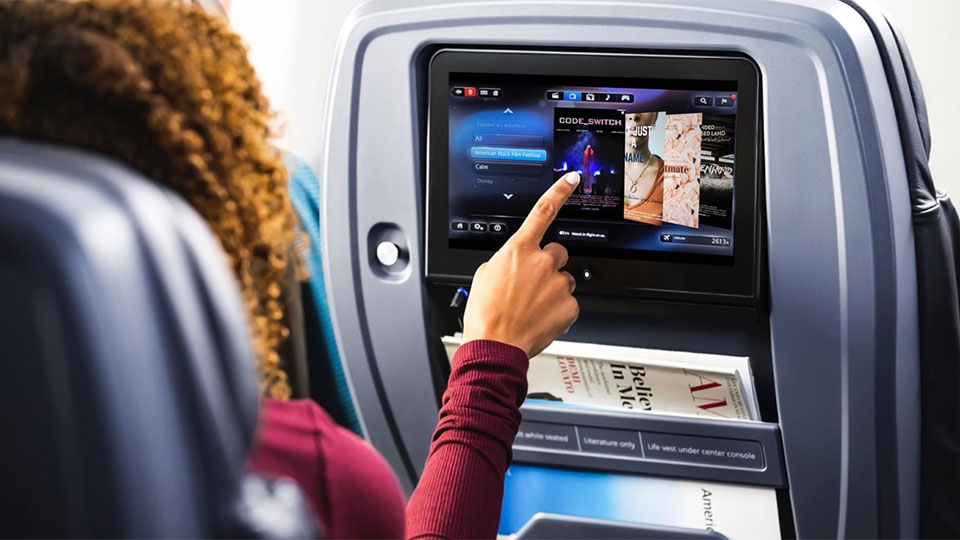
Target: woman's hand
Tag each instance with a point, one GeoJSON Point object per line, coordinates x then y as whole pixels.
{"type": "Point", "coordinates": [520, 297]}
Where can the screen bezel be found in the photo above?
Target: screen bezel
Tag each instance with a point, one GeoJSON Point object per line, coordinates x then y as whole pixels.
{"type": "Point", "coordinates": [718, 281]}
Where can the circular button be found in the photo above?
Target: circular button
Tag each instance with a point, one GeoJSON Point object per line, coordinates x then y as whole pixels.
{"type": "Point", "coordinates": [388, 253]}
{"type": "Point", "coordinates": [586, 274]}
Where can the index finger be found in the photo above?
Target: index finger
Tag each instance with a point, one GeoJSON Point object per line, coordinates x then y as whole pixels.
{"type": "Point", "coordinates": [545, 211]}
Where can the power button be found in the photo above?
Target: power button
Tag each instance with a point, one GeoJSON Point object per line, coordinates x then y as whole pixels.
{"type": "Point", "coordinates": [586, 274]}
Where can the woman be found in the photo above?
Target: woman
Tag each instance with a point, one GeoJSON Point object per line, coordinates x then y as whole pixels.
{"type": "Point", "coordinates": [168, 89]}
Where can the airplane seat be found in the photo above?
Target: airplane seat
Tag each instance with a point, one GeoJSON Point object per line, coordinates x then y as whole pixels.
{"type": "Point", "coordinates": [128, 393]}
{"type": "Point", "coordinates": [937, 240]}
{"type": "Point", "coordinates": [326, 372]}
{"type": "Point", "coordinates": [849, 311]}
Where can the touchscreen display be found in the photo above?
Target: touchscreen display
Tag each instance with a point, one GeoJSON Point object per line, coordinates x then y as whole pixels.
{"type": "Point", "coordinates": [656, 159]}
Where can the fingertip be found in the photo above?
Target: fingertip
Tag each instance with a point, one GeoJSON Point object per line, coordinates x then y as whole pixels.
{"type": "Point", "coordinates": [572, 178]}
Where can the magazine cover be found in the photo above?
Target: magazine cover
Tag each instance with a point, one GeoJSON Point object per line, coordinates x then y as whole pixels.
{"type": "Point", "coordinates": [588, 141]}
{"type": "Point", "coordinates": [643, 166]}
{"type": "Point", "coordinates": [628, 378]}
{"type": "Point", "coordinates": [716, 171]}
{"type": "Point", "coordinates": [681, 179]}
{"type": "Point", "coordinates": [637, 386]}
{"type": "Point", "coordinates": [738, 512]}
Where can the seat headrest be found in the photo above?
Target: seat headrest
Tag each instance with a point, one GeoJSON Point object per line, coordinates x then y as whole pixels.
{"type": "Point", "coordinates": [128, 394]}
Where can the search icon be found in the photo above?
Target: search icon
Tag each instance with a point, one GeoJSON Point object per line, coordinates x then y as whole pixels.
{"type": "Point", "coordinates": [703, 101]}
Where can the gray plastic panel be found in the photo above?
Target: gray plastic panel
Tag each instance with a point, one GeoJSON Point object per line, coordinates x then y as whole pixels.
{"type": "Point", "coordinates": [839, 245]}
{"type": "Point", "coordinates": [722, 451]}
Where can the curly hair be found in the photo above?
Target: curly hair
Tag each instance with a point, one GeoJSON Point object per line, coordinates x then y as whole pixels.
{"type": "Point", "coordinates": [168, 89]}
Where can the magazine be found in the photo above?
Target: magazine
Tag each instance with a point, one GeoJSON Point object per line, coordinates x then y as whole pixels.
{"type": "Point", "coordinates": [627, 378]}
{"type": "Point", "coordinates": [735, 511]}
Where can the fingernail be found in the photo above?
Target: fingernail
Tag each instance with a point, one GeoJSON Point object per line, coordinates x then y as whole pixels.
{"type": "Point", "coordinates": [572, 178]}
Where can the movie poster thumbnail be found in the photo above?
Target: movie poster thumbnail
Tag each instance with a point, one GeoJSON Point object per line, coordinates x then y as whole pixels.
{"type": "Point", "coordinates": [681, 178]}
{"type": "Point", "coordinates": [588, 141]}
{"type": "Point", "coordinates": [643, 166]}
{"type": "Point", "coordinates": [716, 171]}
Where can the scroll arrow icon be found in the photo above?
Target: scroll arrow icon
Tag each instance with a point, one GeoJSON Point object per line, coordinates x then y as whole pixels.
{"type": "Point", "coordinates": [508, 196]}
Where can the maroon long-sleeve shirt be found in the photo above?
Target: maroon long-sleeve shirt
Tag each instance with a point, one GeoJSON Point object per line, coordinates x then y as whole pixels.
{"type": "Point", "coordinates": [356, 494]}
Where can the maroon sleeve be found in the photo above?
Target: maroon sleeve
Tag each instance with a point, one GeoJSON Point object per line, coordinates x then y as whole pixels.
{"type": "Point", "coordinates": [461, 489]}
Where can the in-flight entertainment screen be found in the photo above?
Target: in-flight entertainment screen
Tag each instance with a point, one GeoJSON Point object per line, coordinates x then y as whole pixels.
{"type": "Point", "coordinates": [666, 146]}
{"type": "Point", "coordinates": [657, 162]}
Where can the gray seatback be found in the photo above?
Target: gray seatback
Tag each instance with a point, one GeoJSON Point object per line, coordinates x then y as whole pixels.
{"type": "Point", "coordinates": [841, 355]}
{"type": "Point", "coordinates": [128, 399]}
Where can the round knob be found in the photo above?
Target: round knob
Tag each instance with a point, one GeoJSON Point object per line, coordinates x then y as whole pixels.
{"type": "Point", "coordinates": [388, 253]}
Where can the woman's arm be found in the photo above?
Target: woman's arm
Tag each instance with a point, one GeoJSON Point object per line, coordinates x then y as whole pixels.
{"type": "Point", "coordinates": [520, 301]}
{"type": "Point", "coordinates": [461, 487]}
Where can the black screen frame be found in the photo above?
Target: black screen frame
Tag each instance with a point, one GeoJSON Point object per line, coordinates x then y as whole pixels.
{"type": "Point", "coordinates": [690, 279]}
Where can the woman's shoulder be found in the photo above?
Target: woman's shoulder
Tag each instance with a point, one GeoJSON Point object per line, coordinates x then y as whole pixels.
{"type": "Point", "coordinates": [344, 477]}
{"type": "Point", "coordinates": [295, 417]}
